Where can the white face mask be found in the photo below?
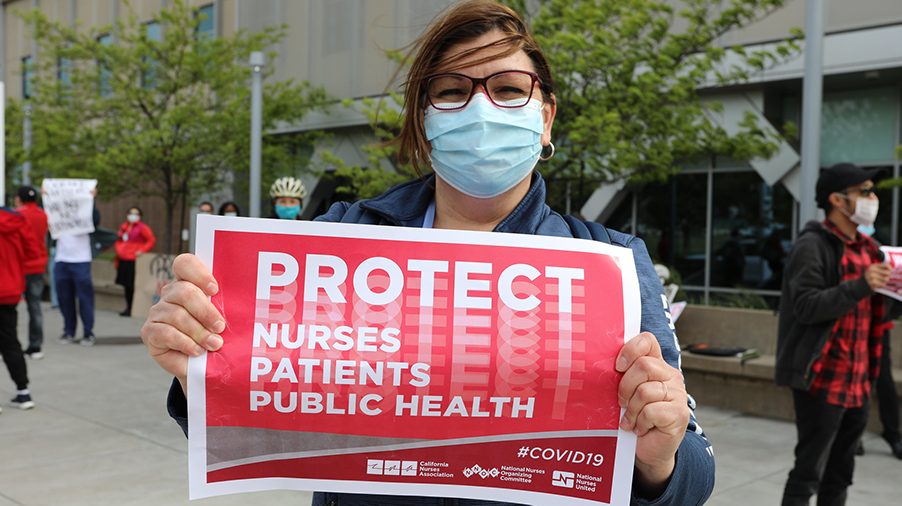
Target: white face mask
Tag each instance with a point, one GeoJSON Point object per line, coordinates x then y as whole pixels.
{"type": "Point", "coordinates": [231, 213]}
{"type": "Point", "coordinates": [865, 211]}
{"type": "Point", "coordinates": [133, 218]}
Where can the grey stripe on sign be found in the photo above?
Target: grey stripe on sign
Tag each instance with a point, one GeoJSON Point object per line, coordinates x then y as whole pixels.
{"type": "Point", "coordinates": [267, 444]}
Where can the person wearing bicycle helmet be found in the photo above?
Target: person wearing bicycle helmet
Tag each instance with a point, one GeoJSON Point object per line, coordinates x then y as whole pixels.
{"type": "Point", "coordinates": [287, 198]}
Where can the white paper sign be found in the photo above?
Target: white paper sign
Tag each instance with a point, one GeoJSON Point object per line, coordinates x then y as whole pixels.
{"type": "Point", "coordinates": [69, 205]}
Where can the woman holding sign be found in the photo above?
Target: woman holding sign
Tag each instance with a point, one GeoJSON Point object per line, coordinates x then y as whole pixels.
{"type": "Point", "coordinates": [135, 238]}
{"type": "Point", "coordinates": [480, 109]}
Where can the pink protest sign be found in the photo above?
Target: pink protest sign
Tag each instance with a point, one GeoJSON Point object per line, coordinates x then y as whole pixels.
{"type": "Point", "coordinates": [893, 256]}
{"type": "Point", "coordinates": [402, 361]}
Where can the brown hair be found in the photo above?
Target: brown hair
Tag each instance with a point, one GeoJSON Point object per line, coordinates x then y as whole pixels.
{"type": "Point", "coordinates": [462, 22]}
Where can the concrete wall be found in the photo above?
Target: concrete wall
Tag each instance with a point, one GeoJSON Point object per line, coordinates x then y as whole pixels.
{"type": "Point", "coordinates": [727, 383]}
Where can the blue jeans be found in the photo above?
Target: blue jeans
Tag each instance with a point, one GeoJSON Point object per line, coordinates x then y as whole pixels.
{"type": "Point", "coordinates": [34, 288]}
{"type": "Point", "coordinates": [74, 280]}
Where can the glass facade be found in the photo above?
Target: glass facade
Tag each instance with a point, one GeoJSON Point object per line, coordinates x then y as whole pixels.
{"type": "Point", "coordinates": [725, 233]}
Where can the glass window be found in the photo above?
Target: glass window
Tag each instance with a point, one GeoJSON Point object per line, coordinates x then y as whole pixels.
{"type": "Point", "coordinates": [671, 221]}
{"type": "Point", "coordinates": [687, 215]}
{"type": "Point", "coordinates": [62, 71]}
{"type": "Point", "coordinates": [621, 219]}
{"type": "Point", "coordinates": [751, 231]}
{"type": "Point", "coordinates": [27, 72]}
{"type": "Point", "coordinates": [859, 126]}
{"type": "Point", "coordinates": [105, 76]}
{"type": "Point", "coordinates": [152, 32]}
{"type": "Point", "coordinates": [205, 26]}
{"type": "Point", "coordinates": [653, 221]}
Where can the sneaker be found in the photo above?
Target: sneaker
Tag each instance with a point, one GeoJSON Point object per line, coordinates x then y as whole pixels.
{"type": "Point", "coordinates": [65, 339]}
{"type": "Point", "coordinates": [87, 341]}
{"type": "Point", "coordinates": [22, 402]}
{"type": "Point", "coordinates": [34, 354]}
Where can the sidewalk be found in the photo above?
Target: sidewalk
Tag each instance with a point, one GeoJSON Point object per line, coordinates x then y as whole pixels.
{"type": "Point", "coordinates": [100, 435]}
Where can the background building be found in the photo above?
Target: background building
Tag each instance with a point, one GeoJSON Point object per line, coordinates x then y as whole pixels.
{"type": "Point", "coordinates": [724, 225]}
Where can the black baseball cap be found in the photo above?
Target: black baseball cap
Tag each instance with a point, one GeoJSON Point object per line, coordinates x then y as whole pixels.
{"type": "Point", "coordinates": [841, 176]}
{"type": "Point", "coordinates": [27, 194]}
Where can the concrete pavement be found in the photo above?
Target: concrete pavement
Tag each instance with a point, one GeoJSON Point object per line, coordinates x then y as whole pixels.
{"type": "Point", "coordinates": [100, 435]}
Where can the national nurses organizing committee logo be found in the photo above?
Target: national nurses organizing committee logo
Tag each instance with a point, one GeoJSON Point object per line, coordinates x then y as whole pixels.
{"type": "Point", "coordinates": [392, 467]}
{"type": "Point", "coordinates": [482, 473]}
{"type": "Point", "coordinates": [562, 479]}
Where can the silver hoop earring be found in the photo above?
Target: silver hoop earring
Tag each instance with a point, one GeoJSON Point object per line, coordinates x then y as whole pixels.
{"type": "Point", "coordinates": [545, 159]}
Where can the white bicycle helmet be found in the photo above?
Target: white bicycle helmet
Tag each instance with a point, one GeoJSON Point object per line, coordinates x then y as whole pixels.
{"type": "Point", "coordinates": [288, 187]}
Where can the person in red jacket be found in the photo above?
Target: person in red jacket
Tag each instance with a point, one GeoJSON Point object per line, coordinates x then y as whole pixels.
{"type": "Point", "coordinates": [135, 238]}
{"type": "Point", "coordinates": [27, 206]}
{"type": "Point", "coordinates": [17, 244]}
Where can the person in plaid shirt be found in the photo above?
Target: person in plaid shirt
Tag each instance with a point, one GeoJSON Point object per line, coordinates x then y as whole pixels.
{"type": "Point", "coordinates": [829, 335]}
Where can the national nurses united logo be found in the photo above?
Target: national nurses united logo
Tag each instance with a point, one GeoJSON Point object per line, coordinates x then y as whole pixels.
{"type": "Point", "coordinates": [482, 473]}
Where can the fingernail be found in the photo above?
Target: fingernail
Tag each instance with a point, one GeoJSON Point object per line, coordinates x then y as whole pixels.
{"type": "Point", "coordinates": [621, 364]}
{"type": "Point", "coordinates": [624, 423]}
{"type": "Point", "coordinates": [219, 326]}
{"type": "Point", "coordinates": [198, 350]}
{"type": "Point", "coordinates": [214, 342]}
{"type": "Point", "coordinates": [212, 288]}
{"type": "Point", "coordinates": [621, 401]}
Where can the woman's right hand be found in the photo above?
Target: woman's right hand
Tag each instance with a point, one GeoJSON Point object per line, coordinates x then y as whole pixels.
{"type": "Point", "coordinates": [184, 322]}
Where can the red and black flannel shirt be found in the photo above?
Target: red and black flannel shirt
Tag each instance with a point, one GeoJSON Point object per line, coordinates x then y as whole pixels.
{"type": "Point", "coordinates": [851, 357]}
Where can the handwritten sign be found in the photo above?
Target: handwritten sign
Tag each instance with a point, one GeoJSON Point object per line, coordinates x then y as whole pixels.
{"type": "Point", "coordinates": [152, 272]}
{"type": "Point", "coordinates": [69, 205]}
{"type": "Point", "coordinates": [392, 360]}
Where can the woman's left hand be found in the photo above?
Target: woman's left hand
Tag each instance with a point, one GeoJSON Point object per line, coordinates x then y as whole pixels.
{"type": "Point", "coordinates": [655, 399]}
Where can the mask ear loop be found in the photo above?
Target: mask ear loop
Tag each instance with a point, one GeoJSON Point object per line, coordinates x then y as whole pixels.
{"type": "Point", "coordinates": [545, 159]}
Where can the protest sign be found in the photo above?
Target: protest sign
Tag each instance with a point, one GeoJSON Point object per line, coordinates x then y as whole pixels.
{"type": "Point", "coordinates": [152, 272]}
{"type": "Point", "coordinates": [393, 360]}
{"type": "Point", "coordinates": [69, 205]}
{"type": "Point", "coordinates": [893, 256]}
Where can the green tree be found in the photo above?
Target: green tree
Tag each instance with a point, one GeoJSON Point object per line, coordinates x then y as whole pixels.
{"type": "Point", "coordinates": [383, 170]}
{"type": "Point", "coordinates": [157, 116]}
{"type": "Point", "coordinates": [627, 75]}
{"type": "Point", "coordinates": [15, 153]}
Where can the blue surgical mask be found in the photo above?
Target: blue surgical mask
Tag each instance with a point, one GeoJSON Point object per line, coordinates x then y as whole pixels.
{"type": "Point", "coordinates": [230, 213]}
{"type": "Point", "coordinates": [483, 150]}
{"type": "Point", "coordinates": [288, 212]}
{"type": "Point", "coordinates": [867, 230]}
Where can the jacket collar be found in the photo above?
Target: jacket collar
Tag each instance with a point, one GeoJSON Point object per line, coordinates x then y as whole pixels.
{"type": "Point", "coordinates": [406, 205]}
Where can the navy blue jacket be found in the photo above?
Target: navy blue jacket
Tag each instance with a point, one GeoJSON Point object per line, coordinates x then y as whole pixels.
{"type": "Point", "coordinates": [405, 205]}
